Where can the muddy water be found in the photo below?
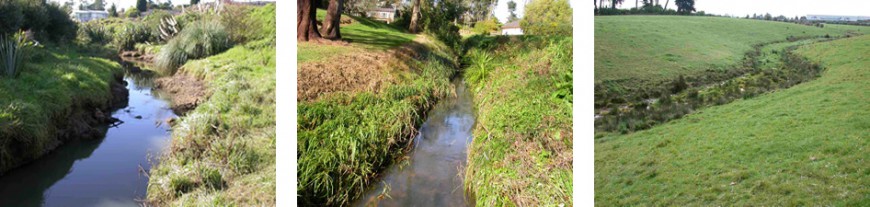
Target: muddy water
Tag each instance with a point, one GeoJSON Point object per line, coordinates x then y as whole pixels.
{"type": "Point", "coordinates": [101, 172]}
{"type": "Point", "coordinates": [432, 174]}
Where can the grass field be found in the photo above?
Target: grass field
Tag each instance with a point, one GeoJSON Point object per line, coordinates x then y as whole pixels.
{"type": "Point", "coordinates": [641, 52]}
{"type": "Point", "coordinates": [803, 146]}
{"type": "Point", "coordinates": [51, 87]}
{"type": "Point", "coordinates": [522, 149]}
{"type": "Point", "coordinates": [223, 152]}
{"type": "Point", "coordinates": [363, 35]}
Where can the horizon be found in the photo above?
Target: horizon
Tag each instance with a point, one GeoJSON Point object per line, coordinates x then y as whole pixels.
{"type": "Point", "coordinates": [741, 8]}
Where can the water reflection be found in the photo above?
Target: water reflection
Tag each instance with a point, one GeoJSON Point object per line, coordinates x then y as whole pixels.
{"type": "Point", "coordinates": [100, 172]}
{"type": "Point", "coordinates": [433, 174]}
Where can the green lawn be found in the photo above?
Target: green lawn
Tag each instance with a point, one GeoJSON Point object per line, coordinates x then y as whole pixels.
{"type": "Point", "coordinates": [53, 84]}
{"type": "Point", "coordinates": [223, 152]}
{"type": "Point", "coordinates": [363, 34]}
{"type": "Point", "coordinates": [640, 52]}
{"type": "Point", "coordinates": [522, 148]}
{"type": "Point", "coordinates": [803, 146]}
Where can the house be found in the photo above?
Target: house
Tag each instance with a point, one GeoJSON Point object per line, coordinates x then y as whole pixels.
{"type": "Point", "coordinates": [88, 15]}
{"type": "Point", "coordinates": [382, 14]}
{"type": "Point", "coordinates": [512, 28]}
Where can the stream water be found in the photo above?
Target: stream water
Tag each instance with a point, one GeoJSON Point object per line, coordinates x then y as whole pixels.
{"type": "Point", "coordinates": [432, 174]}
{"type": "Point", "coordinates": [100, 172]}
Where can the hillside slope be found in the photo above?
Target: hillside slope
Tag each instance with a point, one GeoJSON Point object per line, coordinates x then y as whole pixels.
{"type": "Point", "coordinates": [806, 145]}
{"type": "Point", "coordinates": [636, 56]}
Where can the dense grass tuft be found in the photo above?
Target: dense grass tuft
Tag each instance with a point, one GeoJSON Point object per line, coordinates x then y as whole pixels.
{"type": "Point", "coordinates": [198, 40]}
{"type": "Point", "coordinates": [13, 51]}
{"type": "Point", "coordinates": [346, 139]}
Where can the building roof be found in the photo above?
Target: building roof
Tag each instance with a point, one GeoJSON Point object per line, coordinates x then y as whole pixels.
{"type": "Point", "coordinates": [512, 25]}
{"type": "Point", "coordinates": [383, 10]}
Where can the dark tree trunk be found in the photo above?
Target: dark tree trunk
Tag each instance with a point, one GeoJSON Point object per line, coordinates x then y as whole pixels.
{"type": "Point", "coordinates": [306, 25]}
{"type": "Point", "coordinates": [595, 3]}
{"type": "Point", "coordinates": [666, 4]}
{"type": "Point", "coordinates": [332, 23]}
{"type": "Point", "coordinates": [415, 14]}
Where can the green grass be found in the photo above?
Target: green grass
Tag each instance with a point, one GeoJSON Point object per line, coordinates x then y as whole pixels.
{"type": "Point", "coordinates": [223, 152]}
{"type": "Point", "coordinates": [363, 34]}
{"type": "Point", "coordinates": [346, 139]}
{"type": "Point", "coordinates": [640, 52]}
{"type": "Point", "coordinates": [522, 148]}
{"type": "Point", "coordinates": [53, 83]}
{"type": "Point", "coordinates": [803, 146]}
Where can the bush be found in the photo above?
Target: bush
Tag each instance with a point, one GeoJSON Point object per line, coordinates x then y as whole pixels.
{"type": "Point", "coordinates": [13, 50]}
{"type": "Point", "coordinates": [93, 32]}
{"type": "Point", "coordinates": [12, 17]}
{"type": "Point", "coordinates": [131, 12]}
{"type": "Point", "coordinates": [199, 40]}
{"type": "Point", "coordinates": [132, 33]}
{"type": "Point", "coordinates": [547, 17]}
{"type": "Point", "coordinates": [60, 27]}
{"type": "Point", "coordinates": [487, 26]}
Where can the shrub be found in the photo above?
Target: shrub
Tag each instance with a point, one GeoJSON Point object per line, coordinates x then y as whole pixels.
{"type": "Point", "coordinates": [60, 27]}
{"type": "Point", "coordinates": [487, 26]}
{"type": "Point", "coordinates": [201, 39]}
{"type": "Point", "coordinates": [93, 32]}
{"type": "Point", "coordinates": [132, 33]}
{"type": "Point", "coordinates": [131, 13]}
{"type": "Point", "coordinates": [11, 16]}
{"type": "Point", "coordinates": [547, 17]}
{"type": "Point", "coordinates": [13, 50]}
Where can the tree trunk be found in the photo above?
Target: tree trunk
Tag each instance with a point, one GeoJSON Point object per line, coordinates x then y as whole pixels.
{"type": "Point", "coordinates": [306, 25]}
{"type": "Point", "coordinates": [415, 13]}
{"type": "Point", "coordinates": [635, 4]}
{"type": "Point", "coordinates": [666, 4]}
{"type": "Point", "coordinates": [595, 3]}
{"type": "Point", "coordinates": [332, 23]}
{"type": "Point", "coordinates": [600, 3]}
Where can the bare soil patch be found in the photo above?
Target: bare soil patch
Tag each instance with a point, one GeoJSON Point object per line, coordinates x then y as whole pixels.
{"type": "Point", "coordinates": [187, 92]}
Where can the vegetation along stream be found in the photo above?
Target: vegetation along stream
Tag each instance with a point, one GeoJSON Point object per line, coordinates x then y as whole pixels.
{"type": "Point", "coordinates": [99, 172]}
{"type": "Point", "coordinates": [431, 173]}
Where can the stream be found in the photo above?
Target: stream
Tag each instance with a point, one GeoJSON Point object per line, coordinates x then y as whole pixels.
{"type": "Point", "coordinates": [433, 171]}
{"type": "Point", "coordinates": [102, 172]}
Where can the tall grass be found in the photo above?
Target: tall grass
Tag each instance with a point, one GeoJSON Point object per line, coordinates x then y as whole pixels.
{"type": "Point", "coordinates": [132, 33]}
{"type": "Point", "coordinates": [201, 39]}
{"type": "Point", "coordinates": [345, 140]}
{"type": "Point", "coordinates": [13, 50]}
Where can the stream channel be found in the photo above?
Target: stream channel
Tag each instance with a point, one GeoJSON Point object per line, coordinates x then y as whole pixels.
{"type": "Point", "coordinates": [431, 173]}
{"type": "Point", "coordinates": [109, 171]}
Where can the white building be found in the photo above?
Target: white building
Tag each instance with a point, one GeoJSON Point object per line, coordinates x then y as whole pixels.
{"type": "Point", "coordinates": [512, 28]}
{"type": "Point", "coordinates": [834, 18]}
{"type": "Point", "coordinates": [88, 15]}
{"type": "Point", "coordinates": [383, 14]}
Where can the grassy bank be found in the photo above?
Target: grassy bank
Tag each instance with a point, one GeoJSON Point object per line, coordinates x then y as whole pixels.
{"type": "Point", "coordinates": [637, 55]}
{"type": "Point", "coordinates": [223, 152]}
{"type": "Point", "coordinates": [362, 34]}
{"type": "Point", "coordinates": [803, 146]}
{"type": "Point", "coordinates": [35, 107]}
{"type": "Point", "coordinates": [357, 115]}
{"type": "Point", "coordinates": [522, 149]}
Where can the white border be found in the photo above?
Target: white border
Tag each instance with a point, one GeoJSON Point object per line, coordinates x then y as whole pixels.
{"type": "Point", "coordinates": [584, 150]}
{"type": "Point", "coordinates": [285, 175]}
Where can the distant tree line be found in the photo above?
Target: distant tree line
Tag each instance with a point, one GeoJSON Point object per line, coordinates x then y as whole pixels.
{"type": "Point", "coordinates": [646, 7]}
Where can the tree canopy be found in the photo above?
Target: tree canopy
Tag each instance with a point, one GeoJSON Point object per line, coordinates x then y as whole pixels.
{"type": "Point", "coordinates": [685, 6]}
{"type": "Point", "coordinates": [547, 17]}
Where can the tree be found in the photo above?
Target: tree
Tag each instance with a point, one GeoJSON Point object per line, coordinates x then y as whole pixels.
{"type": "Point", "coordinates": [666, 4]}
{"type": "Point", "coordinates": [98, 5]}
{"type": "Point", "coordinates": [332, 23]}
{"type": "Point", "coordinates": [512, 7]}
{"type": "Point", "coordinates": [194, 2]}
{"type": "Point", "coordinates": [113, 11]}
{"type": "Point", "coordinates": [141, 5]}
{"type": "Point", "coordinates": [685, 6]}
{"type": "Point", "coordinates": [613, 3]}
{"type": "Point", "coordinates": [306, 21]}
{"type": "Point", "coordinates": [547, 17]}
{"type": "Point", "coordinates": [768, 17]}
{"type": "Point", "coordinates": [415, 17]}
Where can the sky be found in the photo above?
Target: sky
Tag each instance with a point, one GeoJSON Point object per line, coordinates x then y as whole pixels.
{"type": "Point", "coordinates": [502, 13]}
{"type": "Point", "coordinates": [789, 8]}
